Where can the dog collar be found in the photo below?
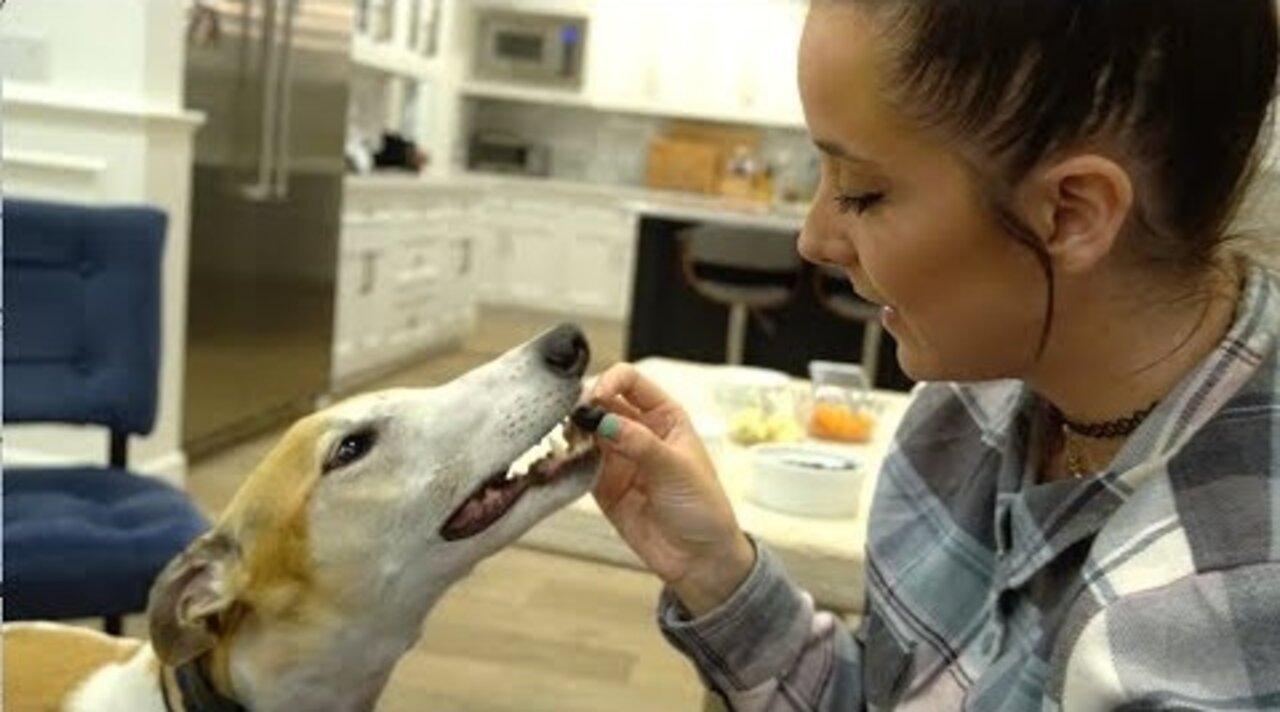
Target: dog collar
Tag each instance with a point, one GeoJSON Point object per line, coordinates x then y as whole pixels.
{"type": "Point", "coordinates": [198, 694]}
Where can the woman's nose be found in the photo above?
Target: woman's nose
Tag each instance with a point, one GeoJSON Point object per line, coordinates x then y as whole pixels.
{"type": "Point", "coordinates": [819, 242]}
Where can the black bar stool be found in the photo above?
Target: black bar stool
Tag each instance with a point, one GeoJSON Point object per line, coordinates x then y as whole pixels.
{"type": "Point", "coordinates": [744, 269]}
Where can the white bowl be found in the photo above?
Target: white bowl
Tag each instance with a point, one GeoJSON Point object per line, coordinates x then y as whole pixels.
{"type": "Point", "coordinates": [805, 479]}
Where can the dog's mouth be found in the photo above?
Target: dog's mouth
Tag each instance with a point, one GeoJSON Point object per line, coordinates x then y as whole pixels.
{"type": "Point", "coordinates": [543, 464]}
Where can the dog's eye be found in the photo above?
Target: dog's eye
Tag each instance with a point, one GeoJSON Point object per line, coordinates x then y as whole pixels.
{"type": "Point", "coordinates": [352, 448]}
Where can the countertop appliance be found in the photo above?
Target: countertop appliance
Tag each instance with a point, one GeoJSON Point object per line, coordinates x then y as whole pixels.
{"type": "Point", "coordinates": [530, 48]}
{"type": "Point", "coordinates": [271, 77]}
{"type": "Point", "coordinates": [491, 152]}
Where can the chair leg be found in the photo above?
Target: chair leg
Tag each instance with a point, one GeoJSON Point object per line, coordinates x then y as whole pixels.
{"type": "Point", "coordinates": [736, 338]}
{"type": "Point", "coordinates": [113, 625]}
{"type": "Point", "coordinates": [871, 335]}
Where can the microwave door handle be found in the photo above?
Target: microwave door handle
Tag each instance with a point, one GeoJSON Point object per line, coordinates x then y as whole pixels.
{"type": "Point", "coordinates": [285, 102]}
{"type": "Point", "coordinates": [260, 189]}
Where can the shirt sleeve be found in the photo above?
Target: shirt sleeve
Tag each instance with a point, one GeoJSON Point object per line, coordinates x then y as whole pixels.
{"type": "Point", "coordinates": [1209, 641]}
{"type": "Point", "coordinates": [767, 648]}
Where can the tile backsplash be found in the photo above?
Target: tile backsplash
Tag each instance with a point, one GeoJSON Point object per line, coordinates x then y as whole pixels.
{"type": "Point", "coordinates": [605, 147]}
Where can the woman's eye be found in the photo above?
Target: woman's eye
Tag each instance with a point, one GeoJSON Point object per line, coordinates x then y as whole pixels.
{"type": "Point", "coordinates": [352, 448]}
{"type": "Point", "coordinates": [859, 203]}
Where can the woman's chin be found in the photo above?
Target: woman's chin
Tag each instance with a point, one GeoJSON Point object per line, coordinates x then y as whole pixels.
{"type": "Point", "coordinates": [920, 366]}
{"type": "Point", "coordinates": [920, 369]}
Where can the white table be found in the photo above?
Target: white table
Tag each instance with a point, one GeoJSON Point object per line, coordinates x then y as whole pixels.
{"type": "Point", "coordinates": [824, 556]}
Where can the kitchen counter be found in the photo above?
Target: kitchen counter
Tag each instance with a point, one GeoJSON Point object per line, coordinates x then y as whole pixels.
{"type": "Point", "coordinates": [723, 211]}
{"type": "Point", "coordinates": [825, 556]}
{"type": "Point", "coordinates": [687, 207]}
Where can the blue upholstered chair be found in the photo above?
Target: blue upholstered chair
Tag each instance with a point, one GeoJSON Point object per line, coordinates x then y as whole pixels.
{"type": "Point", "coordinates": [82, 346]}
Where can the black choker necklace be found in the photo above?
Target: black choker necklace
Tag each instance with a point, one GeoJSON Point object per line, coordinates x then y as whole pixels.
{"type": "Point", "coordinates": [1109, 430]}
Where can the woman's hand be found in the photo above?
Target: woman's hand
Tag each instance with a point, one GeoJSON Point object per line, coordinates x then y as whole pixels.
{"type": "Point", "coordinates": [659, 488]}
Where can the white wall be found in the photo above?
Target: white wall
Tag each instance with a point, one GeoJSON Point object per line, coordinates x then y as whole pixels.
{"type": "Point", "coordinates": [102, 52]}
{"type": "Point", "coordinates": [92, 104]}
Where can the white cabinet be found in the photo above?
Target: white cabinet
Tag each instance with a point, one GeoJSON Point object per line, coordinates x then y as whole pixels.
{"type": "Point", "coordinates": [622, 59]}
{"type": "Point", "coordinates": [362, 295]}
{"type": "Point", "coordinates": [773, 62]}
{"type": "Point", "coordinates": [406, 275]}
{"type": "Point", "coordinates": [702, 59]}
{"type": "Point", "coordinates": [559, 253]}
{"type": "Point", "coordinates": [494, 244]}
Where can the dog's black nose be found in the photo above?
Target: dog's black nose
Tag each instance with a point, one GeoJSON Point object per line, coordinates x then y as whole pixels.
{"type": "Point", "coordinates": [565, 351]}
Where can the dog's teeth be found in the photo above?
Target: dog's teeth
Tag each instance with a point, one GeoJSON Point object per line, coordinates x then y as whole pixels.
{"type": "Point", "coordinates": [525, 462]}
{"type": "Point", "coordinates": [559, 445]}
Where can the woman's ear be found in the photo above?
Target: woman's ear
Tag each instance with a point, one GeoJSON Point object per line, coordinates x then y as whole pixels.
{"type": "Point", "coordinates": [1081, 205]}
{"type": "Point", "coordinates": [190, 596]}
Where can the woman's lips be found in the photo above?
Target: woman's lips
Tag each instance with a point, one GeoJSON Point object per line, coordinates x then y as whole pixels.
{"type": "Point", "coordinates": [889, 318]}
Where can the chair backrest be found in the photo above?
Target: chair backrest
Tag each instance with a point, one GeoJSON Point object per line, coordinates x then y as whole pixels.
{"type": "Point", "coordinates": [82, 314]}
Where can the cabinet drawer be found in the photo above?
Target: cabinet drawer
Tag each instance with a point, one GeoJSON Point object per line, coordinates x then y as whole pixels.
{"type": "Point", "coordinates": [419, 261]}
{"type": "Point", "coordinates": [412, 325]}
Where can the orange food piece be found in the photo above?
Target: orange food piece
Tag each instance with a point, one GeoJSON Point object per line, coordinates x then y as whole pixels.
{"type": "Point", "coordinates": [836, 422]}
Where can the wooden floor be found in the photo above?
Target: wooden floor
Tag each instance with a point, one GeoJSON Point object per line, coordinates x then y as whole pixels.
{"type": "Point", "coordinates": [528, 631]}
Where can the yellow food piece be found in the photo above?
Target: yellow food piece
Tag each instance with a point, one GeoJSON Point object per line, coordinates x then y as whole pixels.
{"type": "Point", "coordinates": [784, 429]}
{"type": "Point", "coordinates": [751, 425]}
{"type": "Point", "coordinates": [748, 427]}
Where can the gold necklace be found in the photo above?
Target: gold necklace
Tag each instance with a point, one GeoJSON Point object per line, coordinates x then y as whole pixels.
{"type": "Point", "coordinates": [1078, 465]}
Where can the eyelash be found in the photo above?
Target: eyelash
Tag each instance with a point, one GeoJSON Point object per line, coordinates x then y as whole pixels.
{"type": "Point", "coordinates": [858, 204]}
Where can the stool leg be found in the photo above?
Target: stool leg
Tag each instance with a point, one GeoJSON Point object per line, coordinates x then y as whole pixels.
{"type": "Point", "coordinates": [871, 336]}
{"type": "Point", "coordinates": [736, 339]}
{"type": "Point", "coordinates": [113, 625]}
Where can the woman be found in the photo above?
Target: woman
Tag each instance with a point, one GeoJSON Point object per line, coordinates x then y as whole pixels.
{"type": "Point", "coordinates": [1087, 515]}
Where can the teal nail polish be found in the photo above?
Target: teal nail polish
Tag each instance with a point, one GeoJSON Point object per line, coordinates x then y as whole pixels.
{"type": "Point", "coordinates": [610, 428]}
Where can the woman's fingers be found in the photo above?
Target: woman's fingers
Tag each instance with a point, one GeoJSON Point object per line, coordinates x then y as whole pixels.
{"type": "Point", "coordinates": [616, 478]}
{"type": "Point", "coordinates": [623, 407]}
{"type": "Point", "coordinates": [624, 380]}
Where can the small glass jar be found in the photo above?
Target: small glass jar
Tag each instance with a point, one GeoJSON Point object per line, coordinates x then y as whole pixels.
{"type": "Point", "coordinates": [840, 407]}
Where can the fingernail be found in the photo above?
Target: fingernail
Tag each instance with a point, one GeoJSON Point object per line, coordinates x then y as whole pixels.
{"type": "Point", "coordinates": [610, 427]}
{"type": "Point", "coordinates": [588, 417]}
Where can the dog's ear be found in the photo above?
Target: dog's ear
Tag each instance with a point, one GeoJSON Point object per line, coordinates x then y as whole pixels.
{"type": "Point", "coordinates": [191, 596]}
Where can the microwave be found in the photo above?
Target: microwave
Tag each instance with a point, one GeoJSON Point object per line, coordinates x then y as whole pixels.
{"type": "Point", "coordinates": [530, 48]}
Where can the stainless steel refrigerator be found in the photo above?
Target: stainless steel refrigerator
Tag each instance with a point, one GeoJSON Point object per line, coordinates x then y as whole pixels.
{"type": "Point", "coordinates": [271, 77]}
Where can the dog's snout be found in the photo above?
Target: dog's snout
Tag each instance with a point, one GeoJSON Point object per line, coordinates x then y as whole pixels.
{"type": "Point", "coordinates": [565, 351]}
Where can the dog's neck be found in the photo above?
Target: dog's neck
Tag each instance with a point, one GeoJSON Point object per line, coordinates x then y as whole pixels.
{"type": "Point", "coordinates": [341, 665]}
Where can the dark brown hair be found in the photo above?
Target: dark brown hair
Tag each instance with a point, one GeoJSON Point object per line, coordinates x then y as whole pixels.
{"type": "Point", "coordinates": [1181, 89]}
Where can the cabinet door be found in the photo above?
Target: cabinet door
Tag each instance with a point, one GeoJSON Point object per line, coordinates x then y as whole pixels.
{"type": "Point", "coordinates": [535, 267]}
{"type": "Point", "coordinates": [493, 248]}
{"type": "Point", "coordinates": [362, 292]}
{"type": "Point", "coordinates": [776, 90]}
{"type": "Point", "coordinates": [346, 317]}
{"type": "Point", "coordinates": [623, 71]}
{"type": "Point", "coordinates": [714, 59]}
{"type": "Point", "coordinates": [676, 58]}
{"type": "Point", "coordinates": [452, 227]}
{"type": "Point", "coordinates": [693, 67]}
{"type": "Point", "coordinates": [599, 264]}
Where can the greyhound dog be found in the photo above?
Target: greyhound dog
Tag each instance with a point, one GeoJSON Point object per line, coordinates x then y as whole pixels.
{"type": "Point", "coordinates": [320, 573]}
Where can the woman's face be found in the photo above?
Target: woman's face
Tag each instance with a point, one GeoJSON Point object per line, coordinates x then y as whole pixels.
{"type": "Point", "coordinates": [898, 212]}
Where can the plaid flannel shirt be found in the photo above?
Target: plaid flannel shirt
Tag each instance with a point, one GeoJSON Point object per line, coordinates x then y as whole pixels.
{"type": "Point", "coordinates": [1154, 585]}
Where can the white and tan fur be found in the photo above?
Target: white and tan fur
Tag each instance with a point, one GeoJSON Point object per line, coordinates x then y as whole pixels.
{"type": "Point", "coordinates": [312, 585]}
